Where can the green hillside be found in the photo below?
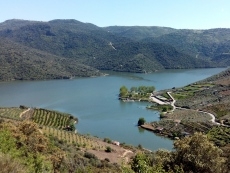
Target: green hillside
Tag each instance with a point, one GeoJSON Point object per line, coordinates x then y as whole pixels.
{"type": "Point", "coordinates": [139, 32]}
{"type": "Point", "coordinates": [92, 46]}
{"type": "Point", "coordinates": [18, 62]}
{"type": "Point", "coordinates": [210, 44]}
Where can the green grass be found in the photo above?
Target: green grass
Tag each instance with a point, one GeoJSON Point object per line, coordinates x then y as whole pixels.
{"type": "Point", "coordinates": [162, 108]}
{"type": "Point", "coordinates": [190, 90]}
{"type": "Point", "coordinates": [178, 96]}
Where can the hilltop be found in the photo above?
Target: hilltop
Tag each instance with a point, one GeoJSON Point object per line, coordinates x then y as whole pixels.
{"type": "Point", "coordinates": [86, 48]}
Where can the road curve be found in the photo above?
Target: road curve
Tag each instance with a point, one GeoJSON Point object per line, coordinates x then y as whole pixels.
{"type": "Point", "coordinates": [213, 119]}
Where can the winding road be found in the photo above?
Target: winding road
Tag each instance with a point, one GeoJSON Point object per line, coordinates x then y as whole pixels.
{"type": "Point", "coordinates": [213, 119]}
{"type": "Point", "coordinates": [21, 114]}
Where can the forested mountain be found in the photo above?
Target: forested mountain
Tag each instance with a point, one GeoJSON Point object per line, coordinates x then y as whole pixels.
{"type": "Point", "coordinates": [209, 44]}
{"type": "Point", "coordinates": [129, 49]}
{"type": "Point", "coordinates": [139, 32]}
{"type": "Point", "coordinates": [18, 62]}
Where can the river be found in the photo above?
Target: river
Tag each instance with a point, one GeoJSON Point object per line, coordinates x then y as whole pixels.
{"type": "Point", "coordinates": [95, 102]}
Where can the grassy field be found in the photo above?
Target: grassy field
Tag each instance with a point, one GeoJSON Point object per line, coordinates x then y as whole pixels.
{"type": "Point", "coordinates": [190, 90]}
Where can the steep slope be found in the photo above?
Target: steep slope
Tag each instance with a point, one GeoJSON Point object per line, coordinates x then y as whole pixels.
{"type": "Point", "coordinates": [139, 32]}
{"type": "Point", "coordinates": [140, 57]}
{"type": "Point", "coordinates": [98, 48]}
{"type": "Point", "coordinates": [208, 44]}
{"type": "Point", "coordinates": [197, 43]}
{"type": "Point", "coordinates": [18, 62]}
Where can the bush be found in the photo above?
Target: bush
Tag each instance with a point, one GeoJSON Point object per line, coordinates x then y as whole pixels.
{"type": "Point", "coordinates": [90, 155]}
{"type": "Point", "coordinates": [108, 149]}
{"type": "Point", "coordinates": [106, 159]}
{"type": "Point", "coordinates": [107, 140]}
{"type": "Point", "coordinates": [141, 121]}
{"type": "Point", "coordinates": [7, 164]}
{"type": "Point", "coordinates": [140, 146]}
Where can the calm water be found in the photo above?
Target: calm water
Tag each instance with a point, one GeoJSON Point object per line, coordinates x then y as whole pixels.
{"type": "Point", "coordinates": [95, 102]}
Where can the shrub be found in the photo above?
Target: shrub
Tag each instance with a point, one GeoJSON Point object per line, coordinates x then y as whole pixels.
{"type": "Point", "coordinates": [7, 164]}
{"type": "Point", "coordinates": [107, 140]}
{"type": "Point", "coordinates": [106, 159]}
{"type": "Point", "coordinates": [108, 149]}
{"type": "Point", "coordinates": [141, 121]}
{"type": "Point", "coordinates": [90, 155]}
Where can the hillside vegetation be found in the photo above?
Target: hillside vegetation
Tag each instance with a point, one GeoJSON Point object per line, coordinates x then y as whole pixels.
{"type": "Point", "coordinates": [39, 140]}
{"type": "Point", "coordinates": [212, 44]}
{"type": "Point", "coordinates": [27, 147]}
{"type": "Point", "coordinates": [18, 62]}
{"type": "Point", "coordinates": [66, 48]}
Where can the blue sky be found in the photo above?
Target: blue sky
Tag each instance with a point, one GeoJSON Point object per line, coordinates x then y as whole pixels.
{"type": "Point", "coordinates": [180, 14]}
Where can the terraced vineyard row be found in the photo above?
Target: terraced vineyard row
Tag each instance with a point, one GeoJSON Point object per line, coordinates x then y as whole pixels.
{"type": "Point", "coordinates": [73, 138]}
{"type": "Point", "coordinates": [52, 118]}
{"type": "Point", "coordinates": [11, 113]}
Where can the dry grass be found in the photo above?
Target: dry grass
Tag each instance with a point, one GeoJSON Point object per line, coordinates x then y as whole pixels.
{"type": "Point", "coordinates": [188, 115]}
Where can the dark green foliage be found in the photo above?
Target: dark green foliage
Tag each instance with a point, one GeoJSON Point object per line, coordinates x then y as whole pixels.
{"type": "Point", "coordinates": [141, 121]}
{"type": "Point", "coordinates": [123, 91]}
{"type": "Point", "coordinates": [108, 149]}
{"type": "Point", "coordinates": [59, 48]}
{"type": "Point", "coordinates": [139, 32]}
{"type": "Point", "coordinates": [140, 163]}
{"type": "Point", "coordinates": [162, 108]}
{"type": "Point", "coordinates": [18, 62]}
{"type": "Point", "coordinates": [191, 154]}
{"type": "Point", "coordinates": [90, 155]}
{"type": "Point", "coordinates": [136, 93]}
{"type": "Point", "coordinates": [220, 136]}
{"type": "Point", "coordinates": [212, 43]}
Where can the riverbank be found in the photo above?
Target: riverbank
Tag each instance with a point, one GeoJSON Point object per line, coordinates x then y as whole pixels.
{"type": "Point", "coordinates": [94, 102]}
{"type": "Point", "coordinates": [190, 117]}
{"type": "Point", "coordinates": [54, 124]}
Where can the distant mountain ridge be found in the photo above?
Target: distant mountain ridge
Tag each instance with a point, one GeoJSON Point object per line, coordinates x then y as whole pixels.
{"type": "Point", "coordinates": [208, 44]}
{"type": "Point", "coordinates": [127, 49]}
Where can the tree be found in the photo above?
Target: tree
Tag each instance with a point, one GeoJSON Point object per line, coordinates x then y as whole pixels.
{"type": "Point", "coordinates": [140, 164]}
{"type": "Point", "coordinates": [164, 109]}
{"type": "Point", "coordinates": [108, 149]}
{"type": "Point", "coordinates": [133, 89]}
{"type": "Point", "coordinates": [198, 154]}
{"type": "Point", "coordinates": [123, 91]}
{"type": "Point", "coordinates": [141, 121]}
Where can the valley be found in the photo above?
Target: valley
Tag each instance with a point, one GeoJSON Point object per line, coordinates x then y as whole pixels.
{"type": "Point", "coordinates": [175, 81]}
{"type": "Point", "coordinates": [64, 49]}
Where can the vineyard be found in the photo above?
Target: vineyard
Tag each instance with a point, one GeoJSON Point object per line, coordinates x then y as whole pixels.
{"type": "Point", "coordinates": [73, 138]}
{"type": "Point", "coordinates": [53, 118]}
{"type": "Point", "coordinates": [11, 113]}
